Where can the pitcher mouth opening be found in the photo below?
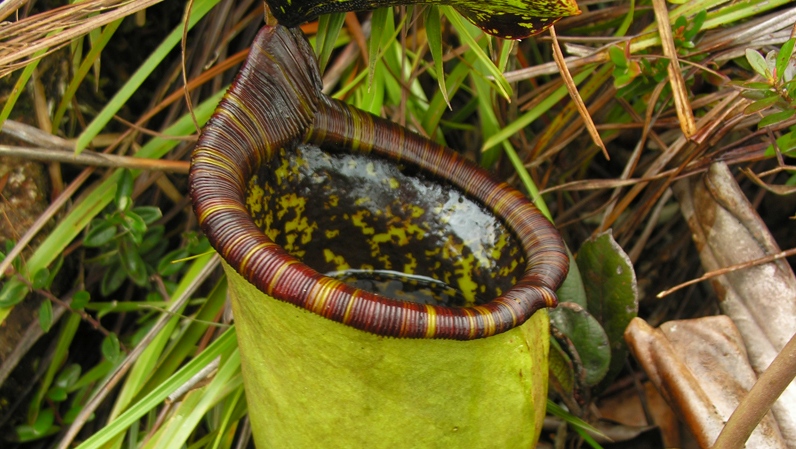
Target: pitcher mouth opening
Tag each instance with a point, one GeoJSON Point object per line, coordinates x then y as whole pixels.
{"type": "Point", "coordinates": [275, 104]}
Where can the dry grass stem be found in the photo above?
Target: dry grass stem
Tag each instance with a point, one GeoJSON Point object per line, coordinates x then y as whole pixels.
{"type": "Point", "coordinates": [93, 159]}
{"type": "Point", "coordinates": [575, 95]}
{"type": "Point", "coordinates": [679, 90]}
{"type": "Point", "coordinates": [552, 68]}
{"type": "Point", "coordinates": [53, 29]}
{"type": "Point", "coordinates": [737, 267]}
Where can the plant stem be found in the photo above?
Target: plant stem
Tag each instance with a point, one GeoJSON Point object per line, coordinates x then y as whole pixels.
{"type": "Point", "coordinates": [759, 399]}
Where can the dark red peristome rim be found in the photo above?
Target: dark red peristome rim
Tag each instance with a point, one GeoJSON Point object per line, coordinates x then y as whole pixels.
{"type": "Point", "coordinates": [276, 102]}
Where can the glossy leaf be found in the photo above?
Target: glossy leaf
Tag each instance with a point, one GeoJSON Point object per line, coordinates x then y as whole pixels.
{"type": "Point", "coordinates": [112, 279]}
{"type": "Point", "coordinates": [135, 227]}
{"type": "Point", "coordinates": [758, 62]}
{"type": "Point", "coordinates": [617, 56]}
{"type": "Point", "coordinates": [761, 104]}
{"type": "Point", "coordinates": [13, 291]}
{"type": "Point", "coordinates": [611, 291]}
{"type": "Point", "coordinates": [57, 394]}
{"type": "Point", "coordinates": [43, 426]}
{"type": "Point", "coordinates": [80, 299]}
{"type": "Point", "coordinates": [587, 337]}
{"type": "Point", "coordinates": [41, 279]}
{"type": "Point", "coordinates": [133, 264]}
{"type": "Point", "coordinates": [102, 232]}
{"type": "Point", "coordinates": [111, 349]}
{"type": "Point", "coordinates": [68, 376]}
{"type": "Point", "coordinates": [149, 214]}
{"type": "Point", "coordinates": [784, 58]}
{"type": "Point", "coordinates": [776, 117]}
{"type": "Point", "coordinates": [124, 189]}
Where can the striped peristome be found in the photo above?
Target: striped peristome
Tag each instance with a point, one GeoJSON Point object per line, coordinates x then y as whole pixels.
{"type": "Point", "coordinates": [275, 102]}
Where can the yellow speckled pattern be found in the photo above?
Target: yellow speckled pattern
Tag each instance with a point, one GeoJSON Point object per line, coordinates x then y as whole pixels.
{"type": "Point", "coordinates": [376, 215]}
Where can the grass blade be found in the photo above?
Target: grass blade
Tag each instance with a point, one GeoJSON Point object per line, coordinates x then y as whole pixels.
{"type": "Point", "coordinates": [199, 10]}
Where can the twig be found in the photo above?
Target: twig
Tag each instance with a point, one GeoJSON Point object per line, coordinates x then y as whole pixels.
{"type": "Point", "coordinates": [681, 104]}
{"type": "Point", "coordinates": [575, 95]}
{"type": "Point", "coordinates": [197, 380]}
{"type": "Point", "coordinates": [758, 401]}
{"type": "Point", "coordinates": [93, 159]}
{"type": "Point", "coordinates": [725, 270]}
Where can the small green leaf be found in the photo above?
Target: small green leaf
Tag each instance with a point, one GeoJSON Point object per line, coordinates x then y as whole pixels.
{"type": "Point", "coordinates": [135, 226]}
{"type": "Point", "coordinates": [102, 232]}
{"type": "Point", "coordinates": [42, 427]}
{"type": "Point", "coordinates": [757, 85]}
{"type": "Point", "coordinates": [124, 190]}
{"type": "Point", "coordinates": [57, 394]}
{"type": "Point", "coordinates": [617, 56]}
{"type": "Point", "coordinates": [588, 339]}
{"type": "Point", "coordinates": [761, 104]}
{"type": "Point", "coordinates": [612, 294]}
{"type": "Point", "coordinates": [13, 292]}
{"type": "Point", "coordinates": [149, 214]}
{"type": "Point", "coordinates": [68, 376]}
{"type": "Point", "coordinates": [776, 118]}
{"type": "Point", "coordinates": [45, 419]}
{"type": "Point", "coordinates": [758, 62]}
{"type": "Point", "coordinates": [783, 58]}
{"type": "Point", "coordinates": [696, 25]}
{"type": "Point", "coordinates": [41, 278]}
{"type": "Point", "coordinates": [112, 279]}
{"type": "Point", "coordinates": [153, 240]}
{"type": "Point", "coordinates": [80, 299]}
{"type": "Point", "coordinates": [46, 315]}
{"type": "Point", "coordinates": [111, 349]}
{"type": "Point", "coordinates": [133, 264]}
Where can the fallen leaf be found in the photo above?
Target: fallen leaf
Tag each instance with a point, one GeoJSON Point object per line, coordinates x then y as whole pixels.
{"type": "Point", "coordinates": [701, 368]}
{"type": "Point", "coordinates": [759, 299]}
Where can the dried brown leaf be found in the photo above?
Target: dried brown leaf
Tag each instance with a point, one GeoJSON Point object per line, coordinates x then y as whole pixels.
{"type": "Point", "coordinates": [759, 299]}
{"type": "Point", "coordinates": [701, 368]}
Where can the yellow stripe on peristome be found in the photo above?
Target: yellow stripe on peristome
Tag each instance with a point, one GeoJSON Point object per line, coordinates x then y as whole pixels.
{"type": "Point", "coordinates": [471, 317]}
{"type": "Point", "coordinates": [245, 260]}
{"type": "Point", "coordinates": [489, 320]}
{"type": "Point", "coordinates": [280, 269]}
{"type": "Point", "coordinates": [431, 322]}
{"type": "Point", "coordinates": [319, 295]}
{"type": "Point", "coordinates": [219, 207]}
{"type": "Point", "coordinates": [349, 307]}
